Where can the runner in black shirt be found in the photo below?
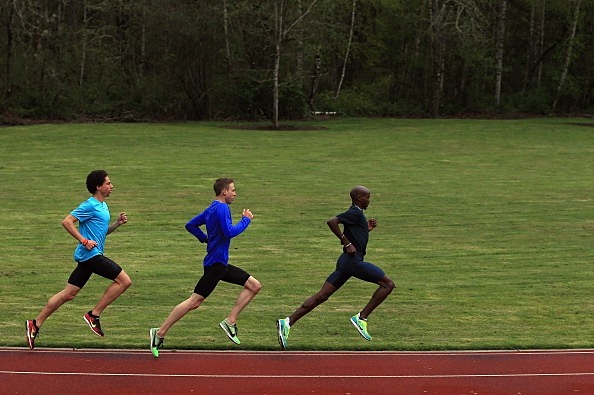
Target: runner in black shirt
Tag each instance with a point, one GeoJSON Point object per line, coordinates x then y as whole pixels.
{"type": "Point", "coordinates": [350, 264]}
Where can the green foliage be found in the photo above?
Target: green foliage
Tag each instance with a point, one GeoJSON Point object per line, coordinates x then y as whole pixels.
{"type": "Point", "coordinates": [163, 59]}
{"type": "Point", "coordinates": [485, 226]}
{"type": "Point", "coordinates": [369, 100]}
{"type": "Point", "coordinates": [536, 102]}
{"type": "Point", "coordinates": [292, 104]}
{"type": "Point", "coordinates": [243, 98]}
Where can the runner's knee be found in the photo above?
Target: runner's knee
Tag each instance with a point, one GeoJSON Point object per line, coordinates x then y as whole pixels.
{"type": "Point", "coordinates": [194, 301]}
{"type": "Point", "coordinates": [123, 280]}
{"type": "Point", "coordinates": [387, 283]}
{"type": "Point", "coordinates": [69, 293]}
{"type": "Point", "coordinates": [321, 297]}
{"type": "Point", "coordinates": [253, 285]}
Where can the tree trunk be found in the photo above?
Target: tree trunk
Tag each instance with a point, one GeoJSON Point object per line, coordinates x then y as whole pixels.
{"type": "Point", "coordinates": [9, 45]}
{"type": "Point", "coordinates": [570, 43]}
{"type": "Point", "coordinates": [226, 29]}
{"type": "Point", "coordinates": [314, 82]}
{"type": "Point", "coordinates": [531, 50]}
{"type": "Point", "coordinates": [143, 43]}
{"type": "Point", "coordinates": [534, 51]}
{"type": "Point", "coordinates": [278, 28]}
{"type": "Point", "coordinates": [279, 36]}
{"type": "Point", "coordinates": [541, 43]}
{"type": "Point", "coordinates": [499, 52]}
{"type": "Point", "coordinates": [84, 45]}
{"type": "Point", "coordinates": [437, 55]}
{"type": "Point", "coordinates": [300, 49]}
{"type": "Point", "coordinates": [348, 49]}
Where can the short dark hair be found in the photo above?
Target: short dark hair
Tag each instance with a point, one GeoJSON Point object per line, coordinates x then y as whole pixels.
{"type": "Point", "coordinates": [357, 191]}
{"type": "Point", "coordinates": [220, 184]}
{"type": "Point", "coordinates": [94, 179]}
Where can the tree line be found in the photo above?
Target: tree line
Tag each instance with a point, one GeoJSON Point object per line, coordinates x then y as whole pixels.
{"type": "Point", "coordinates": [287, 59]}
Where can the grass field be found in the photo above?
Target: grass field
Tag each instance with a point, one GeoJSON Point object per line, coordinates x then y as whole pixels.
{"type": "Point", "coordinates": [486, 226]}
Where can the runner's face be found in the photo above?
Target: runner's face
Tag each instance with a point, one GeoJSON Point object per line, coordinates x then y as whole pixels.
{"type": "Point", "coordinates": [364, 200]}
{"type": "Point", "coordinates": [106, 187]}
{"type": "Point", "coordinates": [229, 193]}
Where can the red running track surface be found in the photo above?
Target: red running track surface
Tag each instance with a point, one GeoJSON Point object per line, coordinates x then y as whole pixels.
{"type": "Point", "coordinates": [64, 371]}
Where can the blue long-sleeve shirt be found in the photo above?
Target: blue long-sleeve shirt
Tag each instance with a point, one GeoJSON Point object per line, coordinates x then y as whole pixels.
{"type": "Point", "coordinates": [219, 231]}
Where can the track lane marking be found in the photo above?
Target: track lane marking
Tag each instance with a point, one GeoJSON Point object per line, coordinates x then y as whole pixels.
{"type": "Point", "coordinates": [304, 353]}
{"type": "Point", "coordinates": [300, 376]}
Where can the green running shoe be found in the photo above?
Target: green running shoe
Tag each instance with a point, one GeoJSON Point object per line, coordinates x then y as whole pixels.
{"type": "Point", "coordinates": [283, 328]}
{"type": "Point", "coordinates": [361, 326]}
{"type": "Point", "coordinates": [156, 342]}
{"type": "Point", "coordinates": [230, 330]}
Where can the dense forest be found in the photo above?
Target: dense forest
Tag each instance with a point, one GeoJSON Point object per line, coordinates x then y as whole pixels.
{"type": "Point", "coordinates": [287, 59]}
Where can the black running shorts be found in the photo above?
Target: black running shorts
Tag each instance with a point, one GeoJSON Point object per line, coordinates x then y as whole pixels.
{"type": "Point", "coordinates": [219, 272]}
{"type": "Point", "coordinates": [98, 264]}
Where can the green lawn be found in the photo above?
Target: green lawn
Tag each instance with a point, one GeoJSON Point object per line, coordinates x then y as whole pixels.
{"type": "Point", "coordinates": [486, 226]}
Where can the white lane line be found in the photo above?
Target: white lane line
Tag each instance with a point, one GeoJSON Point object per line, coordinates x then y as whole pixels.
{"type": "Point", "coordinates": [305, 353]}
{"type": "Point", "coordinates": [300, 376]}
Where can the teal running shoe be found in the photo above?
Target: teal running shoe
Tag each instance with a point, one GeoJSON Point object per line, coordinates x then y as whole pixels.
{"type": "Point", "coordinates": [230, 330]}
{"type": "Point", "coordinates": [156, 342]}
{"type": "Point", "coordinates": [283, 328]}
{"type": "Point", "coordinates": [361, 326]}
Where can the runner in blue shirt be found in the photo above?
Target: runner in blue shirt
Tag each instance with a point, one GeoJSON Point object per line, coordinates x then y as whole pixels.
{"type": "Point", "coordinates": [350, 264]}
{"type": "Point", "coordinates": [93, 218]}
{"type": "Point", "coordinates": [219, 232]}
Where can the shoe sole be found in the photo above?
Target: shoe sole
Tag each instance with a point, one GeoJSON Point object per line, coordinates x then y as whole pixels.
{"type": "Point", "coordinates": [360, 331]}
{"type": "Point", "coordinates": [223, 327]}
{"type": "Point", "coordinates": [281, 340]}
{"type": "Point", "coordinates": [154, 350]}
{"type": "Point", "coordinates": [91, 326]}
{"type": "Point", "coordinates": [30, 340]}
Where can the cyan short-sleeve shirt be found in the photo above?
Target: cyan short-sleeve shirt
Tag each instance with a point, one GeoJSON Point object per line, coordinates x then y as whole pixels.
{"type": "Point", "coordinates": [93, 217]}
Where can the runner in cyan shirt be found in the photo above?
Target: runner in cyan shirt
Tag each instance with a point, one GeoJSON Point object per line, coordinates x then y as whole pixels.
{"type": "Point", "coordinates": [93, 218]}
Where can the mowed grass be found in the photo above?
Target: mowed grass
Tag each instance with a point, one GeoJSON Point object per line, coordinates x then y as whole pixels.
{"type": "Point", "coordinates": [486, 226]}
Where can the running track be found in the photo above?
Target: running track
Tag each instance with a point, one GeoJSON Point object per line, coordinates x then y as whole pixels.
{"type": "Point", "coordinates": [65, 371]}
